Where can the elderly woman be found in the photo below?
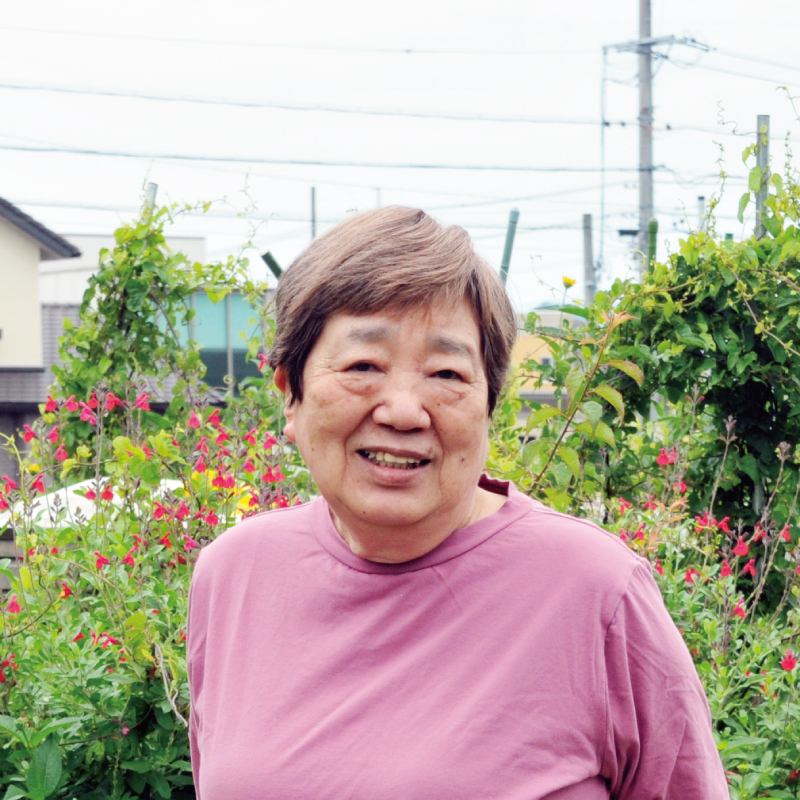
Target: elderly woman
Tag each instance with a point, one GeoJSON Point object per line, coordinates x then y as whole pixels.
{"type": "Point", "coordinates": [421, 630]}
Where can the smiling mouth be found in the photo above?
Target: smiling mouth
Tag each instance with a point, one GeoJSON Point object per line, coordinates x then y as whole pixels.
{"type": "Point", "coordinates": [394, 462]}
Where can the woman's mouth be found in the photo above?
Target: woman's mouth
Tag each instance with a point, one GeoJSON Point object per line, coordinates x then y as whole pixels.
{"type": "Point", "coordinates": [383, 459]}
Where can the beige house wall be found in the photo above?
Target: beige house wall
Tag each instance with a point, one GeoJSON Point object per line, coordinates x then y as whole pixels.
{"type": "Point", "coordinates": [20, 314]}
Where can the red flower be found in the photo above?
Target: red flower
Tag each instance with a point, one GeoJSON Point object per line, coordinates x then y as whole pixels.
{"type": "Point", "coordinates": [690, 573]}
{"type": "Point", "coordinates": [253, 501]}
{"type": "Point", "coordinates": [182, 511]}
{"type": "Point", "coordinates": [269, 441]}
{"type": "Point", "coordinates": [55, 551]}
{"type": "Point", "coordinates": [89, 494]}
{"type": "Point", "coordinates": [13, 606]}
{"type": "Point", "coordinates": [38, 484]}
{"type": "Point", "coordinates": [760, 533]}
{"type": "Point", "coordinates": [3, 503]}
{"type": "Point", "coordinates": [61, 453]}
{"type": "Point", "coordinates": [92, 401]}
{"type": "Point", "coordinates": [71, 405]}
{"type": "Point", "coordinates": [141, 402]}
{"type": "Point", "coordinates": [680, 486]}
{"type": "Point", "coordinates": [639, 533]}
{"type": "Point", "coordinates": [785, 534]}
{"type": "Point", "coordinates": [658, 568]}
{"type": "Point", "coordinates": [189, 544]}
{"type": "Point", "coordinates": [107, 494]}
{"type": "Point", "coordinates": [665, 458]}
{"type": "Point", "coordinates": [223, 481]}
{"type": "Point", "coordinates": [137, 542]}
{"type": "Point", "coordinates": [740, 610]}
{"type": "Point", "coordinates": [166, 541]}
{"type": "Point", "coordinates": [726, 570]}
{"type": "Point", "coordinates": [271, 476]}
{"type": "Point", "coordinates": [10, 484]}
{"type": "Point", "coordinates": [214, 419]}
{"type": "Point", "coordinates": [53, 435]}
{"type": "Point", "coordinates": [50, 406]}
{"type": "Point", "coordinates": [222, 437]}
{"type": "Point", "coordinates": [750, 568]}
{"type": "Point", "coordinates": [101, 560]}
{"type": "Point", "coordinates": [263, 362]}
{"type": "Point", "coordinates": [112, 401]}
{"type": "Point", "coordinates": [29, 434]}
{"type": "Point", "coordinates": [789, 662]}
{"type": "Point", "coordinates": [250, 437]}
{"type": "Point", "coordinates": [202, 446]}
{"type": "Point", "coordinates": [742, 548]}
{"type": "Point", "coordinates": [249, 465]}
{"type": "Point", "coordinates": [200, 466]}
{"type": "Point", "coordinates": [212, 518]}
{"type": "Point", "coordinates": [723, 525]}
{"type": "Point", "coordinates": [194, 421]}
{"type": "Point", "coordinates": [65, 591]}
{"type": "Point", "coordinates": [87, 415]}
{"type": "Point", "coordinates": [129, 559]}
{"type": "Point", "coordinates": [624, 505]}
{"type": "Point", "coordinates": [181, 559]}
{"type": "Point", "coordinates": [161, 511]}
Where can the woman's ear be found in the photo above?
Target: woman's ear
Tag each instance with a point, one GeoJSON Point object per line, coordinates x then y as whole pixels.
{"type": "Point", "coordinates": [288, 407]}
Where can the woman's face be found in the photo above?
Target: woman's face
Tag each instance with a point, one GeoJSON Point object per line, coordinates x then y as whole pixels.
{"type": "Point", "coordinates": [393, 424]}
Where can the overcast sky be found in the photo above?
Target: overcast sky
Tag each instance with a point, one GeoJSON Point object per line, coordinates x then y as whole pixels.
{"type": "Point", "coordinates": [225, 100]}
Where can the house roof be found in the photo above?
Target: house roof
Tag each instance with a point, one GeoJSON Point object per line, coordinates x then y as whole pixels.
{"type": "Point", "coordinates": [52, 245]}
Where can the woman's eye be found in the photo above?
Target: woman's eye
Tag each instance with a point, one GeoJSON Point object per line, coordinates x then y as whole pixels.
{"type": "Point", "coordinates": [448, 375]}
{"type": "Point", "coordinates": [362, 366]}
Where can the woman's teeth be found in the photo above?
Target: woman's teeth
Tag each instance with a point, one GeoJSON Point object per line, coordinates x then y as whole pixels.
{"type": "Point", "coordinates": [388, 460]}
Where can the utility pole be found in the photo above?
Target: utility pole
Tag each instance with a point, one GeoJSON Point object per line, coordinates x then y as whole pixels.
{"type": "Point", "coordinates": [701, 210]}
{"type": "Point", "coordinates": [313, 212]}
{"type": "Point", "coordinates": [511, 230]}
{"type": "Point", "coordinates": [762, 161]}
{"type": "Point", "coordinates": [588, 265]}
{"type": "Point", "coordinates": [645, 128]}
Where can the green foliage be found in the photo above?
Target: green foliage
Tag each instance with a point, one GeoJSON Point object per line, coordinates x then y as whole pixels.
{"type": "Point", "coordinates": [93, 692]}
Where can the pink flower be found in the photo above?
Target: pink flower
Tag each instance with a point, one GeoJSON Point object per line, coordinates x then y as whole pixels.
{"type": "Point", "coordinates": [202, 446]}
{"type": "Point", "coordinates": [166, 541]}
{"type": "Point", "coordinates": [222, 437]}
{"type": "Point", "coordinates": [214, 419]}
{"type": "Point", "coordinates": [189, 544]}
{"type": "Point", "coordinates": [785, 534]}
{"type": "Point", "coordinates": [78, 637]}
{"type": "Point", "coordinates": [723, 525]}
{"type": "Point", "coordinates": [53, 435]}
{"type": "Point", "coordinates": [89, 494]}
{"type": "Point", "coordinates": [250, 437]}
{"type": "Point", "coordinates": [789, 662]}
{"type": "Point", "coordinates": [249, 465]}
{"type": "Point", "coordinates": [680, 486]}
{"type": "Point", "coordinates": [742, 548]}
{"type": "Point", "coordinates": [726, 570]}
{"type": "Point", "coordinates": [92, 401]}
{"type": "Point", "coordinates": [161, 511]}
{"type": "Point", "coordinates": [658, 568]}
{"type": "Point", "coordinates": [740, 610]}
{"type": "Point", "coordinates": [71, 405]}
{"type": "Point", "coordinates": [101, 560]}
{"type": "Point", "coordinates": [125, 731]}
{"type": "Point", "coordinates": [212, 518]}
{"type": "Point", "coordinates": [624, 505]}
{"type": "Point", "coordinates": [107, 494]}
{"type": "Point", "coordinates": [50, 406]}
{"type": "Point", "coordinates": [223, 481]}
{"type": "Point", "coordinates": [38, 484]}
{"type": "Point", "coordinates": [87, 415]}
{"type": "Point", "coordinates": [141, 402]}
{"type": "Point", "coordinates": [3, 503]}
{"type": "Point", "coordinates": [263, 362]}
{"type": "Point", "coordinates": [760, 533]}
{"type": "Point", "coordinates": [665, 458]}
{"type": "Point", "coordinates": [639, 533]}
{"type": "Point", "coordinates": [65, 591]}
{"type": "Point", "coordinates": [112, 401]}
{"type": "Point", "coordinates": [129, 559]}
{"type": "Point", "coordinates": [61, 453]}
{"type": "Point", "coordinates": [269, 441]}
{"type": "Point", "coordinates": [13, 606]}
{"type": "Point", "coordinates": [200, 466]}
{"type": "Point", "coordinates": [271, 476]}
{"type": "Point", "coordinates": [750, 568]}
{"type": "Point", "coordinates": [137, 542]}
{"type": "Point", "coordinates": [10, 484]}
{"type": "Point", "coordinates": [690, 573]}
{"type": "Point", "coordinates": [29, 434]}
{"type": "Point", "coordinates": [194, 421]}
{"type": "Point", "coordinates": [182, 511]}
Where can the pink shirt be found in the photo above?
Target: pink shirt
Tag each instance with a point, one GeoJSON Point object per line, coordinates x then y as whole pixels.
{"type": "Point", "coordinates": [528, 656]}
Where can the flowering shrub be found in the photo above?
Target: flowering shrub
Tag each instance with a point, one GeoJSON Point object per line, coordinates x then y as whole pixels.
{"type": "Point", "coordinates": [93, 692]}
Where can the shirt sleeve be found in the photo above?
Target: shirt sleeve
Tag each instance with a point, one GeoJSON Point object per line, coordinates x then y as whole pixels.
{"type": "Point", "coordinates": [659, 742]}
{"type": "Point", "coordinates": [195, 650]}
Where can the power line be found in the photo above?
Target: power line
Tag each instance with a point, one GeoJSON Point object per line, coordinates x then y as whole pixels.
{"type": "Point", "coordinates": [281, 46]}
{"type": "Point", "coordinates": [308, 162]}
{"type": "Point", "coordinates": [300, 106]}
{"type": "Point", "coordinates": [743, 57]}
{"type": "Point", "coordinates": [709, 68]}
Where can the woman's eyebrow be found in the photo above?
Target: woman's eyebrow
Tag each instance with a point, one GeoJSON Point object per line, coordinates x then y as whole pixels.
{"type": "Point", "coordinates": [375, 333]}
{"type": "Point", "coordinates": [446, 344]}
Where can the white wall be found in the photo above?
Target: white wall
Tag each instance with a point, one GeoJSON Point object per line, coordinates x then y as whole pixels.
{"type": "Point", "coordinates": [20, 317]}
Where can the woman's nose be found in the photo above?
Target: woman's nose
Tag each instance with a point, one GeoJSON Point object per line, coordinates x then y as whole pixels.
{"type": "Point", "coordinates": [400, 405]}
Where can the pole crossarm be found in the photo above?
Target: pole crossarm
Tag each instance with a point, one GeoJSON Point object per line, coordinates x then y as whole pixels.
{"type": "Point", "coordinates": [653, 41]}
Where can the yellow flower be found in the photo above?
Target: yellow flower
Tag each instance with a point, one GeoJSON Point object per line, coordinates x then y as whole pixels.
{"type": "Point", "coordinates": [568, 282]}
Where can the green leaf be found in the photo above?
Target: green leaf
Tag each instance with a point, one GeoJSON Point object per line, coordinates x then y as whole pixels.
{"type": "Point", "coordinates": [756, 176]}
{"type": "Point", "coordinates": [44, 771]}
{"type": "Point", "coordinates": [13, 792]}
{"type": "Point", "coordinates": [743, 201]}
{"type": "Point", "coordinates": [605, 433]}
{"type": "Point", "coordinates": [8, 723]}
{"type": "Point", "coordinates": [749, 465]}
{"type": "Point", "coordinates": [628, 367]}
{"type": "Point", "coordinates": [571, 459]}
{"type": "Point", "coordinates": [593, 412]}
{"type": "Point", "coordinates": [574, 384]}
{"type": "Point", "coordinates": [159, 783]}
{"type": "Point", "coordinates": [612, 396]}
{"type": "Point", "coordinates": [137, 766]}
{"type": "Point", "coordinates": [538, 416]}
